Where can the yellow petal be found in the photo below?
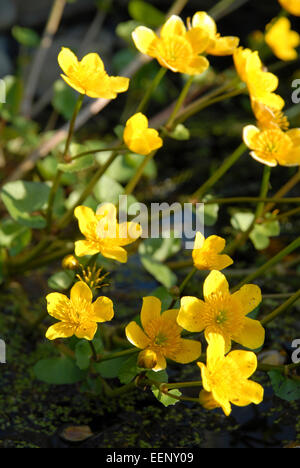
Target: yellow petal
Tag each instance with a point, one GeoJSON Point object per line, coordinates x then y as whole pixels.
{"type": "Point", "coordinates": [192, 314]}
{"type": "Point", "coordinates": [189, 351]}
{"type": "Point", "coordinates": [215, 243]}
{"type": "Point", "coordinates": [128, 233]}
{"type": "Point", "coordinates": [224, 46]}
{"type": "Point", "coordinates": [103, 309]}
{"type": "Point", "coordinates": [174, 26]}
{"type": "Point", "coordinates": [245, 361]}
{"type": "Point", "coordinates": [60, 330]}
{"type": "Point", "coordinates": [266, 161]}
{"type": "Point", "coordinates": [143, 38]}
{"type": "Point", "coordinates": [199, 241]}
{"type": "Point", "coordinates": [58, 306]}
{"type": "Point", "coordinates": [249, 133]}
{"type": "Point", "coordinates": [294, 135]}
{"type": "Point", "coordinates": [150, 311]}
{"type": "Point", "coordinates": [248, 392]}
{"type": "Point", "coordinates": [205, 376]}
{"type": "Point", "coordinates": [136, 336]}
{"type": "Point", "coordinates": [161, 363]}
{"type": "Point", "coordinates": [91, 64]}
{"type": "Point", "coordinates": [74, 84]}
{"type": "Point", "coordinates": [86, 330]}
{"type": "Point", "coordinates": [202, 20]}
{"type": "Point", "coordinates": [118, 84]}
{"type": "Point", "coordinates": [215, 350]}
{"type": "Point", "coordinates": [222, 400]}
{"type": "Point", "coordinates": [107, 210]}
{"type": "Point", "coordinates": [252, 335]}
{"type": "Point", "coordinates": [87, 220]}
{"type": "Point", "coordinates": [196, 66]}
{"type": "Point", "coordinates": [199, 40]}
{"type": "Point", "coordinates": [80, 291]}
{"type": "Point", "coordinates": [68, 61]}
{"type": "Point", "coordinates": [84, 247]}
{"type": "Point", "coordinates": [171, 315]}
{"type": "Point", "coordinates": [249, 296]}
{"type": "Point", "coordinates": [207, 400]}
{"type": "Point", "coordinates": [115, 253]}
{"type": "Point", "coordinates": [215, 283]}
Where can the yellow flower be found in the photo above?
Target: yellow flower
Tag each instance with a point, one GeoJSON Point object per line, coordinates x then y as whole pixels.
{"type": "Point", "coordinates": [261, 84]}
{"type": "Point", "coordinates": [282, 40]}
{"type": "Point", "coordinates": [268, 118]}
{"type": "Point", "coordinates": [89, 77]}
{"type": "Point", "coordinates": [273, 146]}
{"type": "Point", "coordinates": [176, 48]}
{"type": "Point", "coordinates": [207, 253]}
{"type": "Point", "coordinates": [103, 233]}
{"type": "Point", "coordinates": [78, 315]}
{"type": "Point", "coordinates": [226, 378]}
{"type": "Point", "coordinates": [160, 338]}
{"type": "Point", "coordinates": [139, 138]}
{"type": "Point", "coordinates": [218, 45]}
{"type": "Point", "coordinates": [292, 6]}
{"type": "Point", "coordinates": [224, 313]}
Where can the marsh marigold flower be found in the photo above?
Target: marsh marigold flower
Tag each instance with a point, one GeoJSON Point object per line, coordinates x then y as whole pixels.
{"type": "Point", "coordinates": [282, 40]}
{"type": "Point", "coordinates": [78, 315]}
{"type": "Point", "coordinates": [176, 48]}
{"type": "Point", "coordinates": [139, 137]}
{"type": "Point", "coordinates": [103, 234]}
{"type": "Point", "coordinates": [261, 83]}
{"type": "Point", "coordinates": [89, 77]}
{"type": "Point", "coordinates": [292, 6]}
{"type": "Point", "coordinates": [218, 45]}
{"type": "Point", "coordinates": [273, 146]}
{"type": "Point", "coordinates": [207, 253]}
{"type": "Point", "coordinates": [268, 118]}
{"type": "Point", "coordinates": [226, 378]}
{"type": "Point", "coordinates": [224, 313]}
{"type": "Point", "coordinates": [160, 337]}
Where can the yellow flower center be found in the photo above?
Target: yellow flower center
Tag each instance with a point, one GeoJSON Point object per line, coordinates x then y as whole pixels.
{"type": "Point", "coordinates": [224, 313]}
{"type": "Point", "coordinates": [175, 52]}
{"type": "Point", "coordinates": [271, 144]}
{"type": "Point", "coordinates": [164, 337]}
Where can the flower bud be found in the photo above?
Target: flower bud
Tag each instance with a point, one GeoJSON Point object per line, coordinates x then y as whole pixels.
{"type": "Point", "coordinates": [70, 263]}
{"type": "Point", "coordinates": [147, 359]}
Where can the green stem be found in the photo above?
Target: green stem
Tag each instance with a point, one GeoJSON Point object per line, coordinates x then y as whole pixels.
{"type": "Point", "coordinates": [95, 357]}
{"type": "Point", "coordinates": [154, 84]}
{"type": "Point", "coordinates": [183, 285]}
{"type": "Point", "coordinates": [126, 352]}
{"type": "Point", "coordinates": [87, 191]}
{"type": "Point", "coordinates": [282, 308]}
{"type": "Point", "coordinates": [272, 262]}
{"type": "Point", "coordinates": [264, 191]}
{"type": "Point", "coordinates": [86, 153]}
{"type": "Point", "coordinates": [227, 164]}
{"type": "Point", "coordinates": [179, 102]}
{"type": "Point", "coordinates": [139, 173]}
{"type": "Point", "coordinates": [59, 173]}
{"type": "Point", "coordinates": [221, 201]}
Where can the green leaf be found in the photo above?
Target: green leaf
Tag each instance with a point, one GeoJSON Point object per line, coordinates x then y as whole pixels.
{"type": "Point", "coordinates": [108, 190]}
{"type": "Point", "coordinates": [62, 280]}
{"type": "Point", "coordinates": [83, 354]}
{"type": "Point", "coordinates": [242, 221]}
{"type": "Point", "coordinates": [180, 133]}
{"type": "Point", "coordinates": [14, 94]}
{"type": "Point", "coordinates": [48, 169]}
{"type": "Point", "coordinates": [211, 212]}
{"type": "Point", "coordinates": [160, 377]}
{"type": "Point", "coordinates": [77, 165]}
{"type": "Point", "coordinates": [284, 387]}
{"type": "Point", "coordinates": [125, 29]}
{"type": "Point", "coordinates": [64, 99]}
{"type": "Point", "coordinates": [111, 368]}
{"type": "Point", "coordinates": [14, 236]}
{"type": "Point", "coordinates": [23, 198]}
{"type": "Point", "coordinates": [161, 272]}
{"type": "Point", "coordinates": [166, 400]}
{"type": "Point", "coordinates": [146, 13]}
{"type": "Point", "coordinates": [164, 296]}
{"type": "Point", "coordinates": [128, 370]}
{"type": "Point", "coordinates": [58, 371]}
{"type": "Point", "coordinates": [25, 36]}
{"type": "Point", "coordinates": [160, 249]}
